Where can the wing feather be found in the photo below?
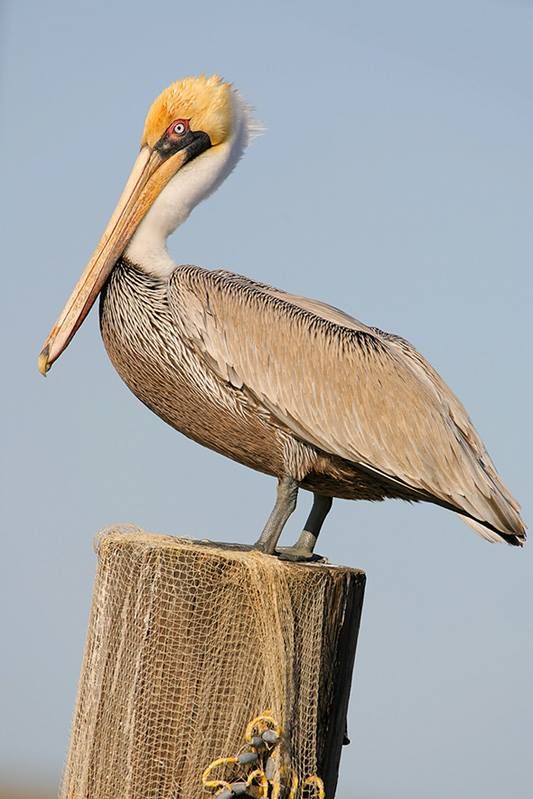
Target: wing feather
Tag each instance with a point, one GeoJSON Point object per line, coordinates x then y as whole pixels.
{"type": "Point", "coordinates": [347, 388]}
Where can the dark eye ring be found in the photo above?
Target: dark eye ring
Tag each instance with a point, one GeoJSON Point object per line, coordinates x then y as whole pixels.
{"type": "Point", "coordinates": [179, 128]}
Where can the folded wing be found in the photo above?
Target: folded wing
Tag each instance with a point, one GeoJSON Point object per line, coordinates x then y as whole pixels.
{"type": "Point", "coordinates": [348, 389]}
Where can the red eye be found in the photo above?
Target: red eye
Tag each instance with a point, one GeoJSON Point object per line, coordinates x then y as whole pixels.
{"type": "Point", "coordinates": [178, 127]}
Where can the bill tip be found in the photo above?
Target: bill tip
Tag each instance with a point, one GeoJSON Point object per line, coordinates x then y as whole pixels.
{"type": "Point", "coordinates": [43, 364]}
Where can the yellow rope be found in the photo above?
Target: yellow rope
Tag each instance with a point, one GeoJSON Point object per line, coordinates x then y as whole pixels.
{"type": "Point", "coordinates": [317, 783]}
{"type": "Point", "coordinates": [266, 719]}
{"type": "Point", "coordinates": [276, 789]}
{"type": "Point", "coordinates": [215, 785]}
{"type": "Point", "coordinates": [260, 775]}
{"type": "Point", "coordinates": [294, 786]}
{"type": "Point", "coordinates": [257, 777]}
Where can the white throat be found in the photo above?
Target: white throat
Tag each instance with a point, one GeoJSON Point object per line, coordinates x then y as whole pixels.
{"type": "Point", "coordinates": [193, 183]}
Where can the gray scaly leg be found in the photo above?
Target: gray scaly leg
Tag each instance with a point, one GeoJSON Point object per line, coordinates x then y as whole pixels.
{"type": "Point", "coordinates": [285, 504]}
{"type": "Point", "coordinates": [304, 547]}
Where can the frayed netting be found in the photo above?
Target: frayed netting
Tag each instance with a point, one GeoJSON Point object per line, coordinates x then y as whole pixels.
{"type": "Point", "coordinates": [187, 642]}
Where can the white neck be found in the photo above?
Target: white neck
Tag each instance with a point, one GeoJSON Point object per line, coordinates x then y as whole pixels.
{"type": "Point", "coordinates": [193, 183]}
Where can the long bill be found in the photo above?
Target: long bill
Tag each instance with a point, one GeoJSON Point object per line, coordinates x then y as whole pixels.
{"type": "Point", "coordinates": [150, 173]}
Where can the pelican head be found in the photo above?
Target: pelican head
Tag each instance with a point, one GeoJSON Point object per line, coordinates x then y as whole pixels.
{"type": "Point", "coordinates": [194, 133]}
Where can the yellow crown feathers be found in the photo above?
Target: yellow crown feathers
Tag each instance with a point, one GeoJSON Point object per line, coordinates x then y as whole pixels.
{"type": "Point", "coordinates": [205, 101]}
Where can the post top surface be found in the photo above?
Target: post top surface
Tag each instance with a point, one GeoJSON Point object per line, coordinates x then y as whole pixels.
{"type": "Point", "coordinates": [131, 536]}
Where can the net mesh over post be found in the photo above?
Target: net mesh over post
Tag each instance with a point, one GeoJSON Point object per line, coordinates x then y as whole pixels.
{"type": "Point", "coordinates": [187, 643]}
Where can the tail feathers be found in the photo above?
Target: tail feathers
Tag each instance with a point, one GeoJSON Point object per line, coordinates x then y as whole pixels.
{"type": "Point", "coordinates": [495, 537]}
{"type": "Point", "coordinates": [494, 513]}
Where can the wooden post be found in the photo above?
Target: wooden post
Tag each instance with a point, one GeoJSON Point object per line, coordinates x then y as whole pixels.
{"type": "Point", "coordinates": [187, 642]}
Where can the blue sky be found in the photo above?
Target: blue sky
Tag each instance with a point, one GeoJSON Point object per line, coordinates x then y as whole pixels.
{"type": "Point", "coordinates": [393, 180]}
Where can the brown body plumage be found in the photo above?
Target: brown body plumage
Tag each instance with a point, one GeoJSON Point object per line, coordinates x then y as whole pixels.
{"type": "Point", "coordinates": [291, 386]}
{"type": "Point", "coordinates": [169, 375]}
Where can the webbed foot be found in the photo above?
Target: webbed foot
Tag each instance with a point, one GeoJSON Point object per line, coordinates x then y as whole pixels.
{"type": "Point", "coordinates": [298, 554]}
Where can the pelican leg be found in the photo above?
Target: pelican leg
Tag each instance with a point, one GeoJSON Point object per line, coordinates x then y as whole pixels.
{"type": "Point", "coordinates": [285, 504]}
{"type": "Point", "coordinates": [303, 549]}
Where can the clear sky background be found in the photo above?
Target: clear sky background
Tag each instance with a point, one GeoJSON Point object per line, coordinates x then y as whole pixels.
{"type": "Point", "coordinates": [395, 181]}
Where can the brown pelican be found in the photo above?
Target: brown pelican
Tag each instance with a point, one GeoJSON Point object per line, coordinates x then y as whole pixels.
{"type": "Point", "coordinates": [286, 385]}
